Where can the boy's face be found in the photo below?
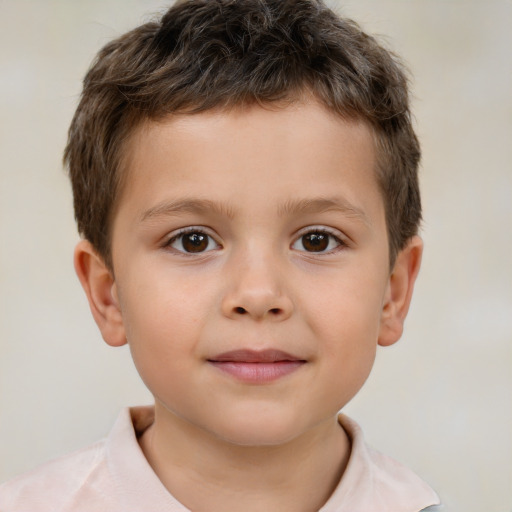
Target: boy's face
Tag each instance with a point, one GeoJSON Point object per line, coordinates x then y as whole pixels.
{"type": "Point", "coordinates": [251, 269]}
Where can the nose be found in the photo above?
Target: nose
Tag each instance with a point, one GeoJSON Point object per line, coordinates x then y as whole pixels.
{"type": "Point", "coordinates": [255, 289]}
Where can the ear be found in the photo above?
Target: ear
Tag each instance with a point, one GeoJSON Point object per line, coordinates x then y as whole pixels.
{"type": "Point", "coordinates": [100, 287]}
{"type": "Point", "coordinates": [399, 291]}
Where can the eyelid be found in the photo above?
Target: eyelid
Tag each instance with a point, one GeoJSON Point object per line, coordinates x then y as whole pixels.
{"type": "Point", "coordinates": [321, 228]}
{"type": "Point", "coordinates": [174, 235]}
{"type": "Point", "coordinates": [340, 237]}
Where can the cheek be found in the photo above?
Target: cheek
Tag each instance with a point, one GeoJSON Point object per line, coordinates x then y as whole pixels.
{"type": "Point", "coordinates": [161, 340]}
{"type": "Point", "coordinates": [348, 337]}
{"type": "Point", "coordinates": [163, 319]}
{"type": "Point", "coordinates": [348, 315]}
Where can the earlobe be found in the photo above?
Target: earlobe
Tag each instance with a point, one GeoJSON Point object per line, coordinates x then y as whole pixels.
{"type": "Point", "coordinates": [100, 288]}
{"type": "Point", "coordinates": [399, 291]}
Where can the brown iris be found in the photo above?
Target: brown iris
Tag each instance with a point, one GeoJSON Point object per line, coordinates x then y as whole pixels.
{"type": "Point", "coordinates": [315, 242]}
{"type": "Point", "coordinates": [194, 242]}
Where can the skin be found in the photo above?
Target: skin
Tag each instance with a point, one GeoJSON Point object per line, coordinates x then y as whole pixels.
{"type": "Point", "coordinates": [254, 182]}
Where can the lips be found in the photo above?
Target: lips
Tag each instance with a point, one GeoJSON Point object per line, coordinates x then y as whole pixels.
{"type": "Point", "coordinates": [257, 367]}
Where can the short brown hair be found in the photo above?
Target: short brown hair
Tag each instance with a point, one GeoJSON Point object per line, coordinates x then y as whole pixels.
{"type": "Point", "coordinates": [206, 54]}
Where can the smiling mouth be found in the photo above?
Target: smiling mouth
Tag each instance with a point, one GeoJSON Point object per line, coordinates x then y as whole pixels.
{"type": "Point", "coordinates": [257, 367]}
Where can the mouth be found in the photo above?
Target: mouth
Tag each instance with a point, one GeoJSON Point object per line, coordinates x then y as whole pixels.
{"type": "Point", "coordinates": [257, 367]}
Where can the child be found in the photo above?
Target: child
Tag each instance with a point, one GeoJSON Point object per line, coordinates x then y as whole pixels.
{"type": "Point", "coordinates": [245, 180]}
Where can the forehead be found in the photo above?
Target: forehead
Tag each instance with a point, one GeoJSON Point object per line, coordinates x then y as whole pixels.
{"type": "Point", "coordinates": [253, 152]}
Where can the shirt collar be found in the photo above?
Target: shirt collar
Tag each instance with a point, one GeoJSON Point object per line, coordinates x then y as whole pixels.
{"type": "Point", "coordinates": [371, 482]}
{"type": "Point", "coordinates": [137, 484]}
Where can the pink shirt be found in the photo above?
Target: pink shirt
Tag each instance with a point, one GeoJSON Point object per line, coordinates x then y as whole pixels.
{"type": "Point", "coordinates": [113, 475]}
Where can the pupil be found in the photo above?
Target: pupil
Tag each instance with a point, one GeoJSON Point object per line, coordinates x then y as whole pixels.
{"type": "Point", "coordinates": [315, 242]}
{"type": "Point", "coordinates": [195, 242]}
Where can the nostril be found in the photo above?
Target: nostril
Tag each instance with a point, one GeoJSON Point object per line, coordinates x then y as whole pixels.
{"type": "Point", "coordinates": [272, 312]}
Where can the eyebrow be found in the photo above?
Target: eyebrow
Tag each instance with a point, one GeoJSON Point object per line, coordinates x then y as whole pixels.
{"type": "Point", "coordinates": [291, 207]}
{"type": "Point", "coordinates": [186, 205]}
{"type": "Point", "coordinates": [324, 204]}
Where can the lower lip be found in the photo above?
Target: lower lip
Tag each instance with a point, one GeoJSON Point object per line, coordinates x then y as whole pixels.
{"type": "Point", "coordinates": [258, 373]}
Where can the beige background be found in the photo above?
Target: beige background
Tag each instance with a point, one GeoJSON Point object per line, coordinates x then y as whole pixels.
{"type": "Point", "coordinates": [440, 400]}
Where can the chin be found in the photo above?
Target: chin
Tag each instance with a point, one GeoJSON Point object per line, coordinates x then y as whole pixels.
{"type": "Point", "coordinates": [259, 431]}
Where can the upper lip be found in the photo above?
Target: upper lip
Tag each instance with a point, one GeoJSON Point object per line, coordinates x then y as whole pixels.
{"type": "Point", "coordinates": [254, 356]}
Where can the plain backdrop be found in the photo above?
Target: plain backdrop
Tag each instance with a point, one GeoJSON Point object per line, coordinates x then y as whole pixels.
{"type": "Point", "coordinates": [439, 400]}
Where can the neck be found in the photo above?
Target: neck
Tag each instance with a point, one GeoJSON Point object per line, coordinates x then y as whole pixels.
{"type": "Point", "coordinates": [299, 475]}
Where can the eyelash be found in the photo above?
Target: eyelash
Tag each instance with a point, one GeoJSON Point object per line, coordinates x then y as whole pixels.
{"type": "Point", "coordinates": [311, 230]}
{"type": "Point", "coordinates": [186, 231]}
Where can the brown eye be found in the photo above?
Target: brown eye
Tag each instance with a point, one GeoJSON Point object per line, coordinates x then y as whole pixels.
{"type": "Point", "coordinates": [193, 242]}
{"type": "Point", "coordinates": [317, 241]}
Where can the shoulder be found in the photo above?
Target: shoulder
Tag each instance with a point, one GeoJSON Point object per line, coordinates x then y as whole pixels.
{"type": "Point", "coordinates": [374, 482]}
{"type": "Point", "coordinates": [111, 474]}
{"type": "Point", "coordinates": [394, 476]}
{"type": "Point", "coordinates": [58, 482]}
